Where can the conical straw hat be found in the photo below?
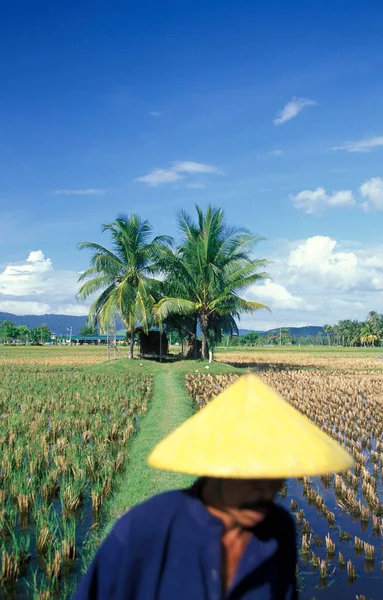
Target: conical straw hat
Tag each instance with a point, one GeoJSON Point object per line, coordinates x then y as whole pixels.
{"type": "Point", "coordinates": [249, 431]}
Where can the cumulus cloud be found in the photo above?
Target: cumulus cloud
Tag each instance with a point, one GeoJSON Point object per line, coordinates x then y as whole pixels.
{"type": "Point", "coordinates": [316, 201]}
{"type": "Point", "coordinates": [372, 191]}
{"type": "Point", "coordinates": [364, 145]}
{"type": "Point", "coordinates": [277, 297]}
{"type": "Point", "coordinates": [85, 192]}
{"type": "Point", "coordinates": [20, 307]}
{"type": "Point", "coordinates": [35, 287]}
{"type": "Point", "coordinates": [319, 280]}
{"type": "Point", "coordinates": [318, 256]}
{"type": "Point", "coordinates": [176, 172]}
{"type": "Point", "coordinates": [292, 109]}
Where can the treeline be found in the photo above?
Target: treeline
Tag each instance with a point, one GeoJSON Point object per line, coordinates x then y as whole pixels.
{"type": "Point", "coordinates": [10, 333]}
{"type": "Point", "coordinates": [346, 332]}
{"type": "Point", "coordinates": [357, 333]}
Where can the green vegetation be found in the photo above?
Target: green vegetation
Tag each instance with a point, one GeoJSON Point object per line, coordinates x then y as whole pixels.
{"type": "Point", "coordinates": [304, 349]}
{"type": "Point", "coordinates": [169, 407]}
{"type": "Point", "coordinates": [10, 333]}
{"type": "Point", "coordinates": [357, 333]}
{"type": "Point", "coordinates": [85, 463]}
{"type": "Point", "coordinates": [207, 273]}
{"type": "Point", "coordinates": [88, 330]}
{"type": "Point", "coordinates": [148, 283]}
{"type": "Point", "coordinates": [63, 438]}
{"type": "Point", "coordinates": [125, 276]}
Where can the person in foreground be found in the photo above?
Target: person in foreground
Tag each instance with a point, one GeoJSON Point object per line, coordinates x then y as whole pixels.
{"type": "Point", "coordinates": [223, 538]}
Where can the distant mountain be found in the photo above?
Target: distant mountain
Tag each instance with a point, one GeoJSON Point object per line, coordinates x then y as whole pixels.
{"type": "Point", "coordinates": [58, 324]}
{"type": "Point", "coordinates": [308, 331]}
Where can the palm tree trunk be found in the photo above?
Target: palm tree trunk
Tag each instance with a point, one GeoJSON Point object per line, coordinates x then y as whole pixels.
{"type": "Point", "coordinates": [131, 345]}
{"type": "Point", "coordinates": [204, 349]}
{"type": "Point", "coordinates": [195, 341]}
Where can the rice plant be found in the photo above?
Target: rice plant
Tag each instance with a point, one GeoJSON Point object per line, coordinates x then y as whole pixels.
{"type": "Point", "coordinates": [62, 446]}
{"type": "Point", "coordinates": [347, 405]}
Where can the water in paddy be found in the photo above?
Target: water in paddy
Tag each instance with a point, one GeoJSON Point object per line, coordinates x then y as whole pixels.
{"type": "Point", "coordinates": [369, 579]}
{"type": "Point", "coordinates": [71, 570]}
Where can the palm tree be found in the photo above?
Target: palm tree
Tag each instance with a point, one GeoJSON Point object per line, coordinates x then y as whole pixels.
{"type": "Point", "coordinates": [367, 334]}
{"type": "Point", "coordinates": [329, 330]}
{"type": "Point", "coordinates": [374, 320]}
{"type": "Point", "coordinates": [125, 275]}
{"type": "Point", "coordinates": [209, 271]}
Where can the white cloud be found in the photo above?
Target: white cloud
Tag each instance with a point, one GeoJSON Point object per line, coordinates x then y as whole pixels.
{"type": "Point", "coordinates": [196, 186]}
{"type": "Point", "coordinates": [326, 264]}
{"type": "Point", "coordinates": [277, 297]}
{"type": "Point", "coordinates": [190, 167]}
{"type": "Point", "coordinates": [364, 145]}
{"type": "Point", "coordinates": [275, 152]}
{"type": "Point", "coordinates": [19, 307]}
{"type": "Point", "coordinates": [159, 177]}
{"type": "Point", "coordinates": [372, 191]}
{"type": "Point", "coordinates": [176, 172]}
{"type": "Point", "coordinates": [85, 192]}
{"type": "Point", "coordinates": [317, 257]}
{"type": "Point", "coordinates": [319, 280]}
{"type": "Point", "coordinates": [35, 287]}
{"type": "Point", "coordinates": [155, 113]}
{"type": "Point", "coordinates": [292, 109]}
{"type": "Point", "coordinates": [315, 201]}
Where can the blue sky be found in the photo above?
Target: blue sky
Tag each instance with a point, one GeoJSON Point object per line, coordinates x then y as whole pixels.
{"type": "Point", "coordinates": [271, 110]}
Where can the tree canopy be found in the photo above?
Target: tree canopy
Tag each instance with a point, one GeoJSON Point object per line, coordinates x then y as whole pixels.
{"type": "Point", "coordinates": [147, 281]}
{"type": "Point", "coordinates": [124, 277]}
{"type": "Point", "coordinates": [208, 272]}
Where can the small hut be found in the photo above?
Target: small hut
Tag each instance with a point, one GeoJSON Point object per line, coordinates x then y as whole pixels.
{"type": "Point", "coordinates": [153, 344]}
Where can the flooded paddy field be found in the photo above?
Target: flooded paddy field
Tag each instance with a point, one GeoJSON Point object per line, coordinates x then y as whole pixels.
{"type": "Point", "coordinates": [63, 437]}
{"type": "Point", "coordinates": [338, 517]}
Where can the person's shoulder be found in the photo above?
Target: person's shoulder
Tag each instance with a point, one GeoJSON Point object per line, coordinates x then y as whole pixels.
{"type": "Point", "coordinates": [151, 515]}
{"type": "Point", "coordinates": [280, 523]}
{"type": "Point", "coordinates": [283, 514]}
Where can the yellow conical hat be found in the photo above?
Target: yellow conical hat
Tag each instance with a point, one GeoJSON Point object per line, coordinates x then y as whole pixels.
{"type": "Point", "coordinates": [249, 431]}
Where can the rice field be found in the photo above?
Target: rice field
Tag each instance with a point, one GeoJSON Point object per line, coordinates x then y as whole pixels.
{"type": "Point", "coordinates": [333, 358]}
{"type": "Point", "coordinates": [64, 445]}
{"type": "Point", "coordinates": [63, 439]}
{"type": "Point", "coordinates": [54, 356]}
{"type": "Point", "coordinates": [338, 517]}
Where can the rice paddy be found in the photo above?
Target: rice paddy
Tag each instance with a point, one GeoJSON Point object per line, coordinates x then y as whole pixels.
{"type": "Point", "coordinates": [65, 432]}
{"type": "Point", "coordinates": [316, 357]}
{"type": "Point", "coordinates": [54, 356]}
{"type": "Point", "coordinates": [338, 517]}
{"type": "Point", "coordinates": [63, 438]}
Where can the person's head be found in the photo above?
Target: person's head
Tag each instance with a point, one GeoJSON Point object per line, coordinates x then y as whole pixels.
{"type": "Point", "coordinates": [245, 501]}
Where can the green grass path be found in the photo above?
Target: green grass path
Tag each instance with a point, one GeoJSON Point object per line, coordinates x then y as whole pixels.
{"type": "Point", "coordinates": [169, 407]}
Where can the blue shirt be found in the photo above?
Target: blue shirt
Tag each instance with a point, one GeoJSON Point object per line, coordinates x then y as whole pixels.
{"type": "Point", "coordinates": [169, 548]}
